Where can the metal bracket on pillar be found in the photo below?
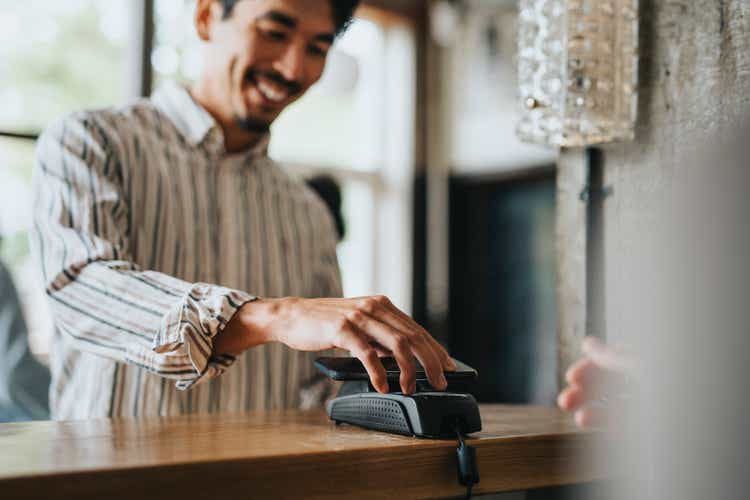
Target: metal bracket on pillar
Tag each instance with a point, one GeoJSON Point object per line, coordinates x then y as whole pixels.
{"type": "Point", "coordinates": [594, 177]}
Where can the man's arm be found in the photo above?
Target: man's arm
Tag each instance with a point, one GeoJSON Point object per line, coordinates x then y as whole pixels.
{"type": "Point", "coordinates": [108, 306]}
{"type": "Point", "coordinates": [100, 299]}
{"type": "Point", "coordinates": [368, 327]}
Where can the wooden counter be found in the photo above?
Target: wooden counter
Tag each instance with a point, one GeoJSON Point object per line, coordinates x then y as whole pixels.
{"type": "Point", "coordinates": [281, 454]}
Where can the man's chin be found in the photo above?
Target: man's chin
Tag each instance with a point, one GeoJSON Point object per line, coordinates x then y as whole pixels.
{"type": "Point", "coordinates": [253, 125]}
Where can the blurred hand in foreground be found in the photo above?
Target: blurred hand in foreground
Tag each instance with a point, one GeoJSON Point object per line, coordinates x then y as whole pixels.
{"type": "Point", "coordinates": [598, 385]}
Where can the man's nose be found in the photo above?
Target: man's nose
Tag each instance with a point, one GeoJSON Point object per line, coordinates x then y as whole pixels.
{"type": "Point", "coordinates": [291, 65]}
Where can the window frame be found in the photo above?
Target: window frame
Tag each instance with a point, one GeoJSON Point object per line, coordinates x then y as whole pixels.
{"type": "Point", "coordinates": [138, 60]}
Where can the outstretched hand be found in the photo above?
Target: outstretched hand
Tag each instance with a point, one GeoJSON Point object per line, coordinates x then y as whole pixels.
{"type": "Point", "coordinates": [368, 327]}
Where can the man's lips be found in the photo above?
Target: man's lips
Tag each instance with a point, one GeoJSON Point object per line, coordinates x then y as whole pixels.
{"type": "Point", "coordinates": [271, 89]}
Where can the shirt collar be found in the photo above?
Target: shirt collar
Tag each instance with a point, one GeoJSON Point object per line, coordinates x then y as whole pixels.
{"type": "Point", "coordinates": [195, 123]}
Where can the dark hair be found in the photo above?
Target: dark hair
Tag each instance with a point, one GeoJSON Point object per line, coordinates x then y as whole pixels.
{"type": "Point", "coordinates": [343, 10]}
{"type": "Point", "coordinates": [329, 191]}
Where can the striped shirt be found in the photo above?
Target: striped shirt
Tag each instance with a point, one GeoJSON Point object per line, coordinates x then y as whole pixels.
{"type": "Point", "coordinates": [150, 237]}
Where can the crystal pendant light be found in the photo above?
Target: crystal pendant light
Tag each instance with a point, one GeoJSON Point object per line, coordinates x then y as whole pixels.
{"type": "Point", "coordinates": [577, 70]}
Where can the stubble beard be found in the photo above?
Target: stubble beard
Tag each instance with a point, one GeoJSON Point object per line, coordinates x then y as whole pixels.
{"type": "Point", "coordinates": [250, 124]}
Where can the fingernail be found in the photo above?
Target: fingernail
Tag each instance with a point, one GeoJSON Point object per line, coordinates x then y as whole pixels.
{"type": "Point", "coordinates": [443, 382]}
{"type": "Point", "coordinates": [452, 364]}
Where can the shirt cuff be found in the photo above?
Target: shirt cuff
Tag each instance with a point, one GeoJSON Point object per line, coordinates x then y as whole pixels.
{"type": "Point", "coordinates": [187, 331]}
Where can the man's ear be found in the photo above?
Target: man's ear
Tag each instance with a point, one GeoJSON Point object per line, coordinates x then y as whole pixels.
{"type": "Point", "coordinates": [207, 13]}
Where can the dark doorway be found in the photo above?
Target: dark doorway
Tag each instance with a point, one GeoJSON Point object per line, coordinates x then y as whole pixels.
{"type": "Point", "coordinates": [502, 284]}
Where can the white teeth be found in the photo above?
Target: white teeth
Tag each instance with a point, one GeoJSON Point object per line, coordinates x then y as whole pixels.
{"type": "Point", "coordinates": [270, 93]}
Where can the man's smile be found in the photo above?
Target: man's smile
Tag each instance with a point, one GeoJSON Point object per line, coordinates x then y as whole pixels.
{"type": "Point", "coordinates": [271, 90]}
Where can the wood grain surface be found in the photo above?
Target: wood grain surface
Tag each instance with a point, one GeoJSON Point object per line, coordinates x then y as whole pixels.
{"type": "Point", "coordinates": [282, 455]}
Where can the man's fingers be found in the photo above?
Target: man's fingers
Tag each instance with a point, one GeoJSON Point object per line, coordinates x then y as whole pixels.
{"type": "Point", "coordinates": [382, 351]}
{"type": "Point", "coordinates": [388, 313]}
{"type": "Point", "coordinates": [405, 360]}
{"type": "Point", "coordinates": [409, 323]}
{"type": "Point", "coordinates": [405, 348]}
{"type": "Point", "coordinates": [445, 360]}
{"type": "Point", "coordinates": [433, 367]}
{"type": "Point", "coordinates": [394, 341]}
{"type": "Point", "coordinates": [355, 343]}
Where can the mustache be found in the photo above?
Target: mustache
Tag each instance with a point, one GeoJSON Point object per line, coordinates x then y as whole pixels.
{"type": "Point", "coordinates": [292, 86]}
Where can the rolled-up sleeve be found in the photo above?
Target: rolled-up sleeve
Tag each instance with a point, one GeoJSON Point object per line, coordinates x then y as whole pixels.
{"type": "Point", "coordinates": [101, 300]}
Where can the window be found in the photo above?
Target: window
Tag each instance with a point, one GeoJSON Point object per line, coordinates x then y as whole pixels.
{"type": "Point", "coordinates": [60, 56]}
{"type": "Point", "coordinates": [15, 219]}
{"type": "Point", "coordinates": [177, 49]}
{"type": "Point", "coordinates": [55, 57]}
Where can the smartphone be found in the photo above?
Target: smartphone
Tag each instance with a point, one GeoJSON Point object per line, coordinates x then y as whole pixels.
{"type": "Point", "coordinates": [349, 368]}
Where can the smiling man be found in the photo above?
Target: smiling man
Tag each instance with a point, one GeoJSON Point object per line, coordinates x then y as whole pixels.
{"type": "Point", "coordinates": [265, 56]}
{"type": "Point", "coordinates": [186, 272]}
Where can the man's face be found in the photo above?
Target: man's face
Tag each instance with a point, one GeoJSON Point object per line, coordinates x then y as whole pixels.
{"type": "Point", "coordinates": [266, 55]}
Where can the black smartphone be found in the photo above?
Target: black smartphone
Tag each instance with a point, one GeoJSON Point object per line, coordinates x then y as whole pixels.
{"type": "Point", "coordinates": [349, 368]}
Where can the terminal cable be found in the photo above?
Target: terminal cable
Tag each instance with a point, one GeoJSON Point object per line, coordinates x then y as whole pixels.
{"type": "Point", "coordinates": [468, 473]}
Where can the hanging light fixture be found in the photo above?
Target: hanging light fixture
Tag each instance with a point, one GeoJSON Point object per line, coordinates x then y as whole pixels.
{"type": "Point", "coordinates": [577, 70]}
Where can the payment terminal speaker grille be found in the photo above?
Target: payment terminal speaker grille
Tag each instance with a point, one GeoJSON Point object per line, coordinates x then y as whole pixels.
{"type": "Point", "coordinates": [373, 413]}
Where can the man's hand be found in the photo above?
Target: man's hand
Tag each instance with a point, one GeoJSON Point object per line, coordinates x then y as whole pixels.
{"type": "Point", "coordinates": [368, 327]}
{"type": "Point", "coordinates": [596, 381]}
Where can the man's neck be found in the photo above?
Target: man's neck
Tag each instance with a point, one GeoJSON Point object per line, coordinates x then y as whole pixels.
{"type": "Point", "coordinates": [236, 139]}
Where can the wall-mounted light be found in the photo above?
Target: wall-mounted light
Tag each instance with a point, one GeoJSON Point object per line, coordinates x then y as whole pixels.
{"type": "Point", "coordinates": [577, 70]}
